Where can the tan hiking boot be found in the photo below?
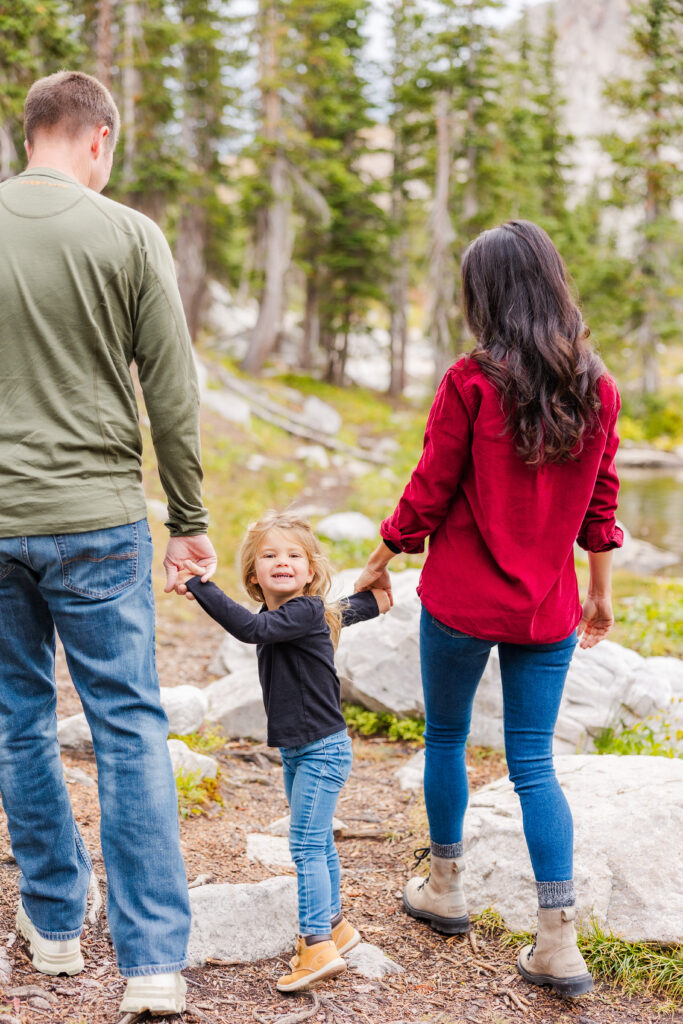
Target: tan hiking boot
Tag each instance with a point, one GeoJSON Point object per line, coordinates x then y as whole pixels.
{"type": "Point", "coordinates": [439, 898]}
{"type": "Point", "coordinates": [49, 956]}
{"type": "Point", "coordinates": [312, 964]}
{"type": "Point", "coordinates": [554, 959]}
{"type": "Point", "coordinates": [345, 936]}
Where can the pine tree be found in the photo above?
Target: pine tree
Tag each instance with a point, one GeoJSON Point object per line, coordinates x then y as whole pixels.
{"type": "Point", "coordinates": [207, 49]}
{"type": "Point", "coordinates": [36, 39]}
{"type": "Point", "coordinates": [647, 175]}
{"type": "Point", "coordinates": [345, 251]}
{"type": "Point", "coordinates": [409, 130]}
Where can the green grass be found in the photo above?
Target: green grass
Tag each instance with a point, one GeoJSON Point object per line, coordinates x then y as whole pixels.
{"type": "Point", "coordinates": [655, 736]}
{"type": "Point", "coordinates": [653, 419]}
{"type": "Point", "coordinates": [207, 739]}
{"type": "Point", "coordinates": [377, 723]}
{"type": "Point", "coordinates": [196, 795]}
{"type": "Point", "coordinates": [648, 612]}
{"type": "Point", "coordinates": [638, 967]}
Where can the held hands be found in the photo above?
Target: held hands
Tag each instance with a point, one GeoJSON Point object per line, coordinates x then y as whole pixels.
{"type": "Point", "coordinates": [375, 576]}
{"type": "Point", "coordinates": [596, 621]}
{"type": "Point", "coordinates": [382, 598]}
{"type": "Point", "coordinates": [186, 557]}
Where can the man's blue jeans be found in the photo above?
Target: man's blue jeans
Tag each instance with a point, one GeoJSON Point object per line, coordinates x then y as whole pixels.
{"type": "Point", "coordinates": [533, 679]}
{"type": "Point", "coordinates": [96, 589]}
{"type": "Point", "coordinates": [314, 775]}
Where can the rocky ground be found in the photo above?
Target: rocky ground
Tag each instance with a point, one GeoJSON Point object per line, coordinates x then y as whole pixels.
{"type": "Point", "coordinates": [444, 981]}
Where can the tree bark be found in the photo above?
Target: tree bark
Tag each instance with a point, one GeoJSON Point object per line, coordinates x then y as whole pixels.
{"type": "Point", "coordinates": [276, 240]}
{"type": "Point", "coordinates": [130, 82]}
{"type": "Point", "coordinates": [311, 339]}
{"type": "Point", "coordinates": [441, 274]}
{"type": "Point", "coordinates": [191, 249]}
{"type": "Point", "coordinates": [104, 42]}
{"type": "Point", "coordinates": [8, 153]}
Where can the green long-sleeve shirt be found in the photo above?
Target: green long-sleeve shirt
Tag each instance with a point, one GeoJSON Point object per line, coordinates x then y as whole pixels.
{"type": "Point", "coordinates": [87, 287]}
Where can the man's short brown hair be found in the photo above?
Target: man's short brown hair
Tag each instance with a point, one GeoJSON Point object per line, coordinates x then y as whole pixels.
{"type": "Point", "coordinates": [74, 101]}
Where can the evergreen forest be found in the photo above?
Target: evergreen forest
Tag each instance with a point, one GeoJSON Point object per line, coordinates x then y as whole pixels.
{"type": "Point", "coordinates": [337, 191]}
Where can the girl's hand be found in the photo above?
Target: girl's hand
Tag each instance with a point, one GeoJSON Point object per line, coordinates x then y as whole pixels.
{"type": "Point", "coordinates": [596, 621]}
{"type": "Point", "coordinates": [383, 600]}
{"type": "Point", "coordinates": [189, 570]}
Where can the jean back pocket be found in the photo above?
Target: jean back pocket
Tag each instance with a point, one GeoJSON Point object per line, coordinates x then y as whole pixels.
{"type": "Point", "coordinates": [99, 563]}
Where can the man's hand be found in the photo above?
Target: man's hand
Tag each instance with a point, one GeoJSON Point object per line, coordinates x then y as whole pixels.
{"type": "Point", "coordinates": [198, 550]}
{"type": "Point", "coordinates": [596, 621]}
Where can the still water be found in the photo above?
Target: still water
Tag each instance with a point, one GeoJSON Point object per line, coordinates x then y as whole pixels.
{"type": "Point", "coordinates": [651, 507]}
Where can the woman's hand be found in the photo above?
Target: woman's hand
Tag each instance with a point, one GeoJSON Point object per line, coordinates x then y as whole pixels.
{"type": "Point", "coordinates": [383, 600]}
{"type": "Point", "coordinates": [596, 621]}
{"type": "Point", "coordinates": [375, 575]}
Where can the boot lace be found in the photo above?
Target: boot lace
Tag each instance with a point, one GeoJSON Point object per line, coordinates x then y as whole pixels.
{"type": "Point", "coordinates": [421, 854]}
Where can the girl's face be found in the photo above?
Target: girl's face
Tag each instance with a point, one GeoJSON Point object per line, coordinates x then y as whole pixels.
{"type": "Point", "coordinates": [282, 569]}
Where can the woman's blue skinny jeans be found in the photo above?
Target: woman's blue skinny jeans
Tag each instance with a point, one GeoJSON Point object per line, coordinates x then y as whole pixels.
{"type": "Point", "coordinates": [533, 679]}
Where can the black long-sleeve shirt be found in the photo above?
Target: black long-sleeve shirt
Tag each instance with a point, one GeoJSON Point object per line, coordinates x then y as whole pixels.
{"type": "Point", "coordinates": [301, 690]}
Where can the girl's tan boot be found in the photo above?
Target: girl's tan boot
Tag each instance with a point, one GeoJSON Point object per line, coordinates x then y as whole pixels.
{"type": "Point", "coordinates": [345, 936]}
{"type": "Point", "coordinates": [554, 959]}
{"type": "Point", "coordinates": [440, 898]}
{"type": "Point", "coordinates": [311, 964]}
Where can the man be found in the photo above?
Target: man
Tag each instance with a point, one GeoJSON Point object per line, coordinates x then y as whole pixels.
{"type": "Point", "coordinates": [87, 286]}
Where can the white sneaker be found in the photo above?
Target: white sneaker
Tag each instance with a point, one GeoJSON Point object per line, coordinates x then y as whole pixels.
{"type": "Point", "coordinates": [50, 956]}
{"type": "Point", "coordinates": [158, 993]}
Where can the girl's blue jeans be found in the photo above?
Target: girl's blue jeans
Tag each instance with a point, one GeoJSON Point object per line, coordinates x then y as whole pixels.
{"type": "Point", "coordinates": [95, 590]}
{"type": "Point", "coordinates": [314, 775]}
{"type": "Point", "coordinates": [533, 679]}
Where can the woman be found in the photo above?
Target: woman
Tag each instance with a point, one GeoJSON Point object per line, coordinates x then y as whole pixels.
{"type": "Point", "coordinates": [518, 464]}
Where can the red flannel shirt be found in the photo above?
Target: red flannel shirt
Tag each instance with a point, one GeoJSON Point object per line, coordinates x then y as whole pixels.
{"type": "Point", "coordinates": [501, 561]}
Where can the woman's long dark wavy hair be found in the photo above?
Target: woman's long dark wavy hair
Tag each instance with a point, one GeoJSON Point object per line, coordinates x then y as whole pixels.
{"type": "Point", "coordinates": [531, 340]}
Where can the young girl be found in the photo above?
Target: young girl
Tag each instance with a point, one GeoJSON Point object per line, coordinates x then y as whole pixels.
{"type": "Point", "coordinates": [285, 569]}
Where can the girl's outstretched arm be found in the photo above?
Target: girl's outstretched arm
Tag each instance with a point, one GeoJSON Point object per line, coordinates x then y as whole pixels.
{"type": "Point", "coordinates": [291, 621]}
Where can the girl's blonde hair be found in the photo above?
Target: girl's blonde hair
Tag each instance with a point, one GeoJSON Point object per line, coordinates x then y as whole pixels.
{"type": "Point", "coordinates": [319, 586]}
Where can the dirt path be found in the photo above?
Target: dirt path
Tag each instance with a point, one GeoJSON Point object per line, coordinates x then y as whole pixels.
{"type": "Point", "coordinates": [445, 981]}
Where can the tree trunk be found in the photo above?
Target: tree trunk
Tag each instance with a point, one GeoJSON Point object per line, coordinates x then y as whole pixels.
{"type": "Point", "coordinates": [276, 240]}
{"type": "Point", "coordinates": [8, 153]}
{"type": "Point", "coordinates": [441, 258]}
{"type": "Point", "coordinates": [104, 42]}
{"type": "Point", "coordinates": [398, 322]}
{"type": "Point", "coordinates": [311, 339]}
{"type": "Point", "coordinates": [191, 248]}
{"type": "Point", "coordinates": [130, 82]}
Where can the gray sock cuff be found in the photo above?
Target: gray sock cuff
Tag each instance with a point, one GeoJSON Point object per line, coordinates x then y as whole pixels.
{"type": "Point", "coordinates": [556, 894]}
{"type": "Point", "coordinates": [446, 850]}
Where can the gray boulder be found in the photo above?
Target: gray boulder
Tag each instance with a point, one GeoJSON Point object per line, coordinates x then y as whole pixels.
{"type": "Point", "coordinates": [607, 686]}
{"type": "Point", "coordinates": [320, 417]}
{"type": "Point", "coordinates": [411, 774]}
{"type": "Point", "coordinates": [379, 661]}
{"type": "Point", "coordinates": [347, 526]}
{"type": "Point", "coordinates": [74, 733]}
{"type": "Point", "coordinates": [273, 851]}
{"type": "Point", "coordinates": [185, 706]}
{"type": "Point", "coordinates": [243, 923]}
{"type": "Point", "coordinates": [370, 962]}
{"type": "Point", "coordinates": [232, 655]}
{"type": "Point", "coordinates": [189, 762]}
{"type": "Point", "coordinates": [628, 819]}
{"type": "Point", "coordinates": [236, 704]}
{"type": "Point", "coordinates": [641, 557]}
